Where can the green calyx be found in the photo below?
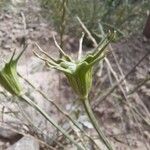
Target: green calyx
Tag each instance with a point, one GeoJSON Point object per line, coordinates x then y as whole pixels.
{"type": "Point", "coordinates": [81, 79]}
{"type": "Point", "coordinates": [8, 76]}
{"type": "Point", "coordinates": [78, 73]}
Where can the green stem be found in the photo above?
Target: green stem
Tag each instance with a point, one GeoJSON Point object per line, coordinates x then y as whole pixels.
{"type": "Point", "coordinates": [95, 124]}
{"type": "Point", "coordinates": [48, 118]}
{"type": "Point", "coordinates": [61, 110]}
{"type": "Point", "coordinates": [63, 22]}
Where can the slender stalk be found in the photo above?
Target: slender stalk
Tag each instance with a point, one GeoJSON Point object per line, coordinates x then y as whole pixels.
{"type": "Point", "coordinates": [95, 124]}
{"type": "Point", "coordinates": [60, 109]}
{"type": "Point", "coordinates": [44, 114]}
{"type": "Point", "coordinates": [63, 22]}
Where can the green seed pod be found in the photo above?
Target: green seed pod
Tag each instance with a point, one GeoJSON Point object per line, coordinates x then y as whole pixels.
{"type": "Point", "coordinates": [80, 79]}
{"type": "Point", "coordinates": [79, 73]}
{"type": "Point", "coordinates": [9, 78]}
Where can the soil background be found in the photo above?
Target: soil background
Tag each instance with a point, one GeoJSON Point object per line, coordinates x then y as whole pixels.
{"type": "Point", "coordinates": [115, 117]}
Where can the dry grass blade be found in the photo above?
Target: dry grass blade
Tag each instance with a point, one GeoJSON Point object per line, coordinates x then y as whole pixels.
{"type": "Point", "coordinates": [86, 31]}
{"type": "Point", "coordinates": [49, 119]}
{"type": "Point", "coordinates": [80, 46]}
{"type": "Point", "coordinates": [111, 89]}
{"type": "Point", "coordinates": [75, 123]}
{"type": "Point", "coordinates": [60, 49]}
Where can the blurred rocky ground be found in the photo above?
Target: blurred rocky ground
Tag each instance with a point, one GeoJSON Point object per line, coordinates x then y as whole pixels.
{"type": "Point", "coordinates": [23, 21]}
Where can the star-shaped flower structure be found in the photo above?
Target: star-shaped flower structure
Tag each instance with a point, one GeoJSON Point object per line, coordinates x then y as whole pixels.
{"type": "Point", "coordinates": [78, 73]}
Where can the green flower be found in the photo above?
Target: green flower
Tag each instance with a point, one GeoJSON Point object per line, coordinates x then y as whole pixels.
{"type": "Point", "coordinates": [78, 73]}
{"type": "Point", "coordinates": [8, 76]}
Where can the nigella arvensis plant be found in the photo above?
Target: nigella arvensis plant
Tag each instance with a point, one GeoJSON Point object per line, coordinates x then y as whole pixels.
{"type": "Point", "coordinates": [9, 77]}
{"type": "Point", "coordinates": [9, 80]}
{"type": "Point", "coordinates": [79, 74]}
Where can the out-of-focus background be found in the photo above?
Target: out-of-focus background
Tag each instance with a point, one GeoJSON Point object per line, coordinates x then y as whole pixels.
{"type": "Point", "coordinates": [124, 114]}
